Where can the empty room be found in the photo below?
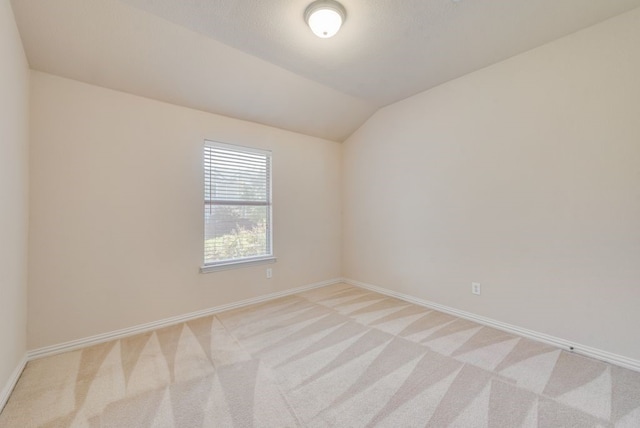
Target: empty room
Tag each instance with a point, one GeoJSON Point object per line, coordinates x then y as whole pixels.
{"type": "Point", "coordinates": [380, 213]}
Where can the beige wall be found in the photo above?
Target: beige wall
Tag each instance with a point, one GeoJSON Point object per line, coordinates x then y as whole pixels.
{"type": "Point", "coordinates": [525, 177]}
{"type": "Point", "coordinates": [116, 211]}
{"type": "Point", "coordinates": [14, 186]}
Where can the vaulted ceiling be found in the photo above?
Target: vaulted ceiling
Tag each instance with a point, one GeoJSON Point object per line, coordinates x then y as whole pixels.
{"type": "Point", "coordinates": [257, 60]}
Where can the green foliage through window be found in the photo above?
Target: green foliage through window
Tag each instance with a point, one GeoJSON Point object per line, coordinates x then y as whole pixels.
{"type": "Point", "coordinates": [238, 243]}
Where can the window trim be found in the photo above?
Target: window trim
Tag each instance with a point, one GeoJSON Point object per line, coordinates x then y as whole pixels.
{"type": "Point", "coordinates": [244, 261]}
{"type": "Point", "coordinates": [239, 263]}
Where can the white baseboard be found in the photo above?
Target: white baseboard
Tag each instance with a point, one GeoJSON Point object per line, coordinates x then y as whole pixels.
{"type": "Point", "coordinates": [118, 334]}
{"type": "Point", "coordinates": [11, 382]}
{"type": "Point", "coordinates": [130, 331]}
{"type": "Point", "coordinates": [588, 351]}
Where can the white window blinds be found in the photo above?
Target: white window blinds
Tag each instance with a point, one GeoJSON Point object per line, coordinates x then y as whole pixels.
{"type": "Point", "coordinates": [237, 204]}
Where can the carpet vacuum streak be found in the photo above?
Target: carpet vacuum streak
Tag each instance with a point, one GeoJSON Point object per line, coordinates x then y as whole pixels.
{"type": "Point", "coordinates": [336, 356]}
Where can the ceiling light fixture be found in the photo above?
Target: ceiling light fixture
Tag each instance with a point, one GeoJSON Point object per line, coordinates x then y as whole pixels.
{"type": "Point", "coordinates": [325, 17]}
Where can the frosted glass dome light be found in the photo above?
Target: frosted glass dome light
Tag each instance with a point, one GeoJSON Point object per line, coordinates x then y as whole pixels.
{"type": "Point", "coordinates": [325, 17]}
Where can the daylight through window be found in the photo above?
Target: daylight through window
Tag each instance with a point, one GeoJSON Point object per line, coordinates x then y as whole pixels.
{"type": "Point", "coordinates": [237, 204]}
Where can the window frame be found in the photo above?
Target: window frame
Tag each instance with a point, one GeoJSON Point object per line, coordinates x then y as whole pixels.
{"type": "Point", "coordinates": [240, 261]}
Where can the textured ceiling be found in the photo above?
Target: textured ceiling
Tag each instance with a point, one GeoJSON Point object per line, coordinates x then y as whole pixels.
{"type": "Point", "coordinates": [257, 60]}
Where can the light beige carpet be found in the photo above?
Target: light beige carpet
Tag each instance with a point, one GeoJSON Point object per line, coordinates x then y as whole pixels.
{"type": "Point", "coordinates": [337, 356]}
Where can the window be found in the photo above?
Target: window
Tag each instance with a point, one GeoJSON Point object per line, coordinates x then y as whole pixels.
{"type": "Point", "coordinates": [237, 205]}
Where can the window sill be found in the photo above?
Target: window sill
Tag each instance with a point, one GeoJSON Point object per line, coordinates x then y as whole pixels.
{"type": "Point", "coordinates": [236, 264]}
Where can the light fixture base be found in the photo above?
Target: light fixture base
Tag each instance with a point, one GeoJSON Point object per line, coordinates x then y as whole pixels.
{"type": "Point", "coordinates": [325, 17]}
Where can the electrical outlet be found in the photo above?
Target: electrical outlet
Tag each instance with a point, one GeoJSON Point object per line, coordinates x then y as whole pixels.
{"type": "Point", "coordinates": [269, 273]}
{"type": "Point", "coordinates": [475, 288]}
